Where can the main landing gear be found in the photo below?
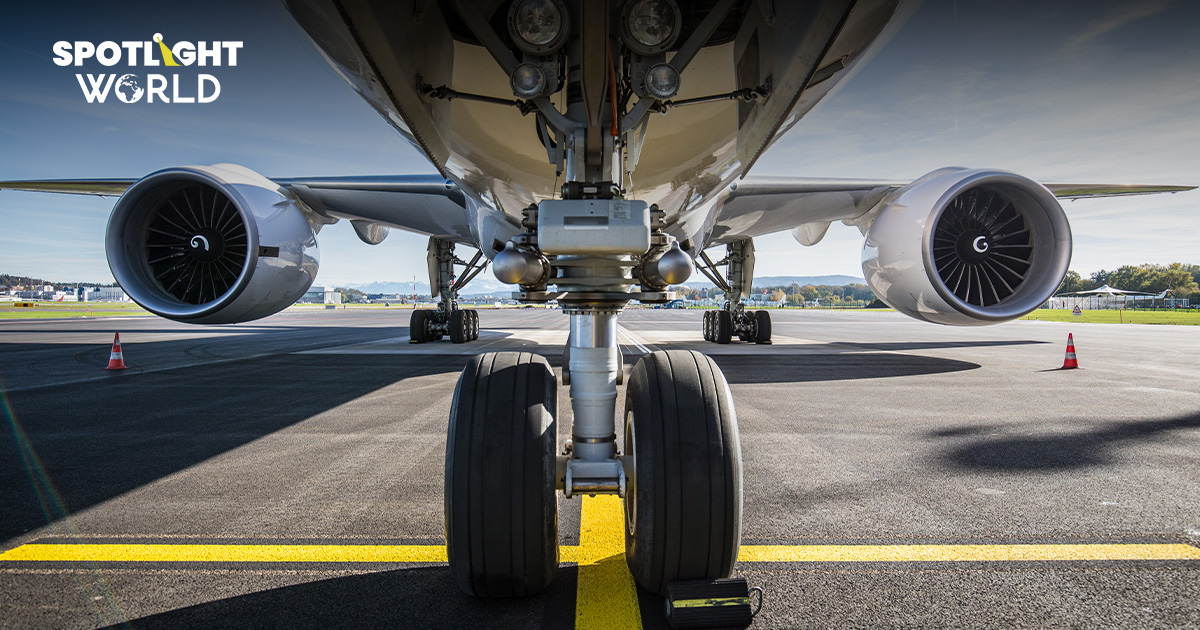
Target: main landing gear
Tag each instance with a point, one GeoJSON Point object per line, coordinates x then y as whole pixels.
{"type": "Point", "coordinates": [722, 325]}
{"type": "Point", "coordinates": [732, 319]}
{"type": "Point", "coordinates": [461, 325]}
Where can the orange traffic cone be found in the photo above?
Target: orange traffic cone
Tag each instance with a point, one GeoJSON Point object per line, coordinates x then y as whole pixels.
{"type": "Point", "coordinates": [116, 361]}
{"type": "Point", "coordinates": [1070, 363]}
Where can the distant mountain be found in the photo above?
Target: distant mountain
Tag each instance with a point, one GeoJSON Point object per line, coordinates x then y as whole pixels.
{"type": "Point", "coordinates": [403, 288]}
{"type": "Point", "coordinates": [478, 286]}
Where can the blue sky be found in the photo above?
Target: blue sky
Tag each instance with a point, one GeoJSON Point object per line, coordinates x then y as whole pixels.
{"type": "Point", "coordinates": [1058, 91]}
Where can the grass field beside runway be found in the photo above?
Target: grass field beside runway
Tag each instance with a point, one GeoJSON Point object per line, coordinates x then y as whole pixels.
{"type": "Point", "coordinates": [1180, 317]}
{"type": "Point", "coordinates": [69, 310]}
{"type": "Point", "coordinates": [60, 310]}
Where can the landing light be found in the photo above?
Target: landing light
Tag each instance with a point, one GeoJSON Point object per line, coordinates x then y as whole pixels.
{"type": "Point", "coordinates": [662, 81]}
{"type": "Point", "coordinates": [651, 26]}
{"type": "Point", "coordinates": [528, 81]}
{"type": "Point", "coordinates": [536, 26]}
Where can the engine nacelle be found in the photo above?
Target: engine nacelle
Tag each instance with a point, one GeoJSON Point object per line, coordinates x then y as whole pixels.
{"type": "Point", "coordinates": [213, 244]}
{"type": "Point", "coordinates": [967, 247]}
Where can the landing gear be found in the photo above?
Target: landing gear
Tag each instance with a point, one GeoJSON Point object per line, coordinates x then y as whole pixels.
{"type": "Point", "coordinates": [464, 326]}
{"type": "Point", "coordinates": [591, 249]}
{"type": "Point", "coordinates": [500, 501]}
{"type": "Point", "coordinates": [461, 325]}
{"type": "Point", "coordinates": [683, 502]}
{"type": "Point", "coordinates": [733, 320]}
{"type": "Point", "coordinates": [721, 326]}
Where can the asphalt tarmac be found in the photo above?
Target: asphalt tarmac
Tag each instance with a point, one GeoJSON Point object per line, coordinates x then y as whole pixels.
{"type": "Point", "coordinates": [288, 473]}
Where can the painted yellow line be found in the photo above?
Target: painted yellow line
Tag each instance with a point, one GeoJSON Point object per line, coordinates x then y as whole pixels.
{"type": "Point", "coordinates": [963, 553]}
{"type": "Point", "coordinates": [604, 540]}
{"type": "Point", "coordinates": [225, 553]}
{"type": "Point", "coordinates": [605, 596]}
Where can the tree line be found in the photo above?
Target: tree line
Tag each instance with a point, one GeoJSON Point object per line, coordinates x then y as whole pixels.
{"type": "Point", "coordinates": [1182, 280]}
{"type": "Point", "coordinates": [792, 294]}
{"type": "Point", "coordinates": [9, 280]}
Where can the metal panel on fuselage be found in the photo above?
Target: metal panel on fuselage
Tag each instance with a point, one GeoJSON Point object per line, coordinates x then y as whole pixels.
{"type": "Point", "coordinates": [492, 151]}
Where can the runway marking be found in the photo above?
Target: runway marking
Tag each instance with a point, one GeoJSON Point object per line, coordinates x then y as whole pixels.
{"type": "Point", "coordinates": [965, 553]}
{"type": "Point", "coordinates": [224, 553]}
{"type": "Point", "coordinates": [605, 596]}
{"type": "Point", "coordinates": [634, 340]}
{"type": "Point", "coordinates": [602, 539]}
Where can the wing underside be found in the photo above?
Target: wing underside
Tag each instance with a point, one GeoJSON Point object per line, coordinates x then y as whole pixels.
{"type": "Point", "coordinates": [425, 204]}
{"type": "Point", "coordinates": [759, 206]}
{"type": "Point", "coordinates": [429, 204]}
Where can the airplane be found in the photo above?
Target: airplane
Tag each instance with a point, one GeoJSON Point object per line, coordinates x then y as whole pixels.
{"type": "Point", "coordinates": [591, 153]}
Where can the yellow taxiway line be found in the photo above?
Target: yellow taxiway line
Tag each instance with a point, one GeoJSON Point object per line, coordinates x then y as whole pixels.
{"type": "Point", "coordinates": [224, 553]}
{"type": "Point", "coordinates": [605, 595]}
{"type": "Point", "coordinates": [965, 553]}
{"type": "Point", "coordinates": [592, 552]}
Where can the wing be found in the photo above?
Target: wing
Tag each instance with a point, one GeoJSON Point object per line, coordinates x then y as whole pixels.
{"type": "Point", "coordinates": [94, 187]}
{"type": "Point", "coordinates": [426, 204]}
{"type": "Point", "coordinates": [757, 206]}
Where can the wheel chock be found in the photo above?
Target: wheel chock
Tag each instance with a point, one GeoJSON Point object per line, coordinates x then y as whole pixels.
{"type": "Point", "coordinates": [720, 603]}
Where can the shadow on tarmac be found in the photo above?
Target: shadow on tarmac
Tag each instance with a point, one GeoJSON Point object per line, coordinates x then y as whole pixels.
{"type": "Point", "coordinates": [70, 447]}
{"type": "Point", "coordinates": [424, 597]}
{"type": "Point", "coordinates": [764, 368]}
{"type": "Point", "coordinates": [1065, 451]}
{"type": "Point", "coordinates": [902, 346]}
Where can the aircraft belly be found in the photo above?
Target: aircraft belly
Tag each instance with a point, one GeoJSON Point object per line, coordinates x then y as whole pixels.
{"type": "Point", "coordinates": [689, 155]}
{"type": "Point", "coordinates": [494, 149]}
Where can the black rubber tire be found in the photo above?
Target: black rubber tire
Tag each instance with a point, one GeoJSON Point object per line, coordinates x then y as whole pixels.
{"type": "Point", "coordinates": [474, 324]}
{"type": "Point", "coordinates": [683, 505]}
{"type": "Point", "coordinates": [460, 326]}
{"type": "Point", "coordinates": [501, 507]}
{"type": "Point", "coordinates": [707, 325]}
{"type": "Point", "coordinates": [762, 327]}
{"type": "Point", "coordinates": [416, 326]}
{"type": "Point", "coordinates": [723, 330]}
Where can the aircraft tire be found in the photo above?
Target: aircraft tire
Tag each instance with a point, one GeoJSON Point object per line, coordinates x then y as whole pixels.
{"type": "Point", "coordinates": [474, 315]}
{"type": "Point", "coordinates": [460, 326]}
{"type": "Point", "coordinates": [683, 502]}
{"type": "Point", "coordinates": [707, 325]}
{"type": "Point", "coordinates": [723, 330]}
{"type": "Point", "coordinates": [501, 506]}
{"type": "Point", "coordinates": [762, 328]}
{"type": "Point", "coordinates": [416, 326]}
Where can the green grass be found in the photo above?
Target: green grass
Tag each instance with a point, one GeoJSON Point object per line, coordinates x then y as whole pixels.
{"type": "Point", "coordinates": [56, 310]}
{"type": "Point", "coordinates": [1129, 316]}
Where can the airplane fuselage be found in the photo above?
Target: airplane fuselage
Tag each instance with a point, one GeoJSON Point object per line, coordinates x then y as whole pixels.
{"type": "Point", "coordinates": [679, 159]}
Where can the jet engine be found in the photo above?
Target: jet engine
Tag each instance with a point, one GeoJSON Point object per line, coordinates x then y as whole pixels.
{"type": "Point", "coordinates": [213, 244]}
{"type": "Point", "coordinates": [967, 247]}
